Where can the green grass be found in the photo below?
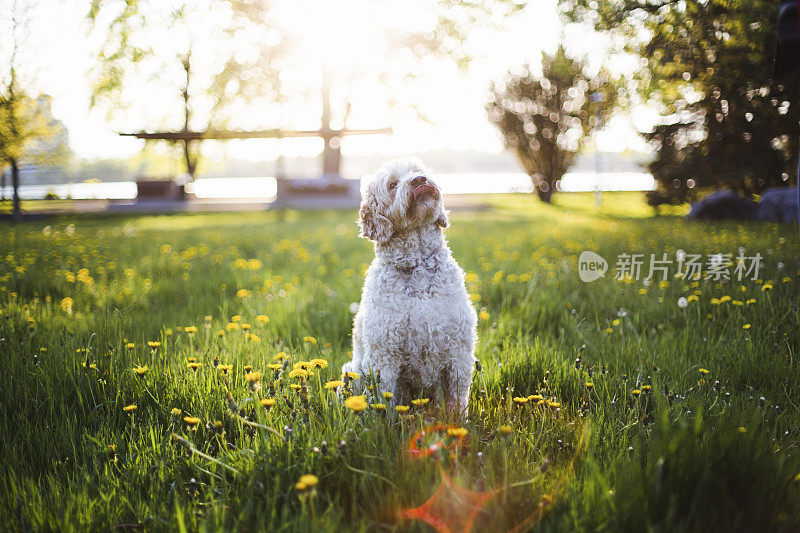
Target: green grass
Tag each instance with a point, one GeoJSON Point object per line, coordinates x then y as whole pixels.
{"type": "Point", "coordinates": [715, 451]}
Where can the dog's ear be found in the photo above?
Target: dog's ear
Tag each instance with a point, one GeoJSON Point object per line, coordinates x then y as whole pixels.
{"type": "Point", "coordinates": [442, 221]}
{"type": "Point", "coordinates": [374, 225]}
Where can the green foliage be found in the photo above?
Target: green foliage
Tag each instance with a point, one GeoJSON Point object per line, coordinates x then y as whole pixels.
{"type": "Point", "coordinates": [632, 435]}
{"type": "Point", "coordinates": [725, 122]}
{"type": "Point", "coordinates": [545, 117]}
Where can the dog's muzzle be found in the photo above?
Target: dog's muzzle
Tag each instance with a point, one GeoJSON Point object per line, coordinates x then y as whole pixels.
{"type": "Point", "coordinates": [424, 190]}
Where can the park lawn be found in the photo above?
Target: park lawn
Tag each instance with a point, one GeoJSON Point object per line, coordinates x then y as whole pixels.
{"type": "Point", "coordinates": [600, 405]}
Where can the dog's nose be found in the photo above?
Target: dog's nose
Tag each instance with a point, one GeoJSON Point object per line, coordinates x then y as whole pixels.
{"type": "Point", "coordinates": [419, 180]}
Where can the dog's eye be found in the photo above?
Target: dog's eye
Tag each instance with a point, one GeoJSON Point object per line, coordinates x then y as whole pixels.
{"type": "Point", "coordinates": [393, 186]}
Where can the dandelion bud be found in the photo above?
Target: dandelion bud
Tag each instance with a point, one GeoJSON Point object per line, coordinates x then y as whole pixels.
{"type": "Point", "coordinates": [232, 406]}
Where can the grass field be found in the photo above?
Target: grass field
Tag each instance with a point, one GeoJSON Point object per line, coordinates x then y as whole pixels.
{"type": "Point", "coordinates": [129, 347]}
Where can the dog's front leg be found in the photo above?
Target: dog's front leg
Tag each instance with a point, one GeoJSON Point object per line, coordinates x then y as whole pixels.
{"type": "Point", "coordinates": [456, 389]}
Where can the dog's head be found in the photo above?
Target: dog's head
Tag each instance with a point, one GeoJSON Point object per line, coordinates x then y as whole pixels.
{"type": "Point", "coordinates": [401, 196]}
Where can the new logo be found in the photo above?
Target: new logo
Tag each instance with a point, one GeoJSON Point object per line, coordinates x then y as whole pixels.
{"type": "Point", "coordinates": [591, 266]}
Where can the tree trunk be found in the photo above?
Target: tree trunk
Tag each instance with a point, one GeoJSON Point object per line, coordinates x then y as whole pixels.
{"type": "Point", "coordinates": [190, 158]}
{"type": "Point", "coordinates": [544, 190]}
{"type": "Point", "coordinates": [545, 196]}
{"type": "Point", "coordinates": [16, 213]}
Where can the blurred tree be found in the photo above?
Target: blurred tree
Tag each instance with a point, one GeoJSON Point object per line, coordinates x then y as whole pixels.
{"type": "Point", "coordinates": [215, 61]}
{"type": "Point", "coordinates": [28, 133]}
{"type": "Point", "coordinates": [545, 117]}
{"type": "Point", "coordinates": [707, 65]}
{"type": "Point", "coordinates": [198, 62]}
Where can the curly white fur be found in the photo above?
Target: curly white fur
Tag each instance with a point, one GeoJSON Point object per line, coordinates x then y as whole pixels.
{"type": "Point", "coordinates": [416, 326]}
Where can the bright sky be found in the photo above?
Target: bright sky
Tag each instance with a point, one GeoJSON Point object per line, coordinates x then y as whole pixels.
{"type": "Point", "coordinates": [453, 101]}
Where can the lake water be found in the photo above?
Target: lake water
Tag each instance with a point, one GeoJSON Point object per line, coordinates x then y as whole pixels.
{"type": "Point", "coordinates": [265, 188]}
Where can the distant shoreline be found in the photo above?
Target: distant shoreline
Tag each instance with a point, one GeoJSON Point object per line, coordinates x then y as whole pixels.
{"type": "Point", "coordinates": [264, 187]}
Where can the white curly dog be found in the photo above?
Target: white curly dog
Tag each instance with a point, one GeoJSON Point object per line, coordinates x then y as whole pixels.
{"type": "Point", "coordinates": [415, 327]}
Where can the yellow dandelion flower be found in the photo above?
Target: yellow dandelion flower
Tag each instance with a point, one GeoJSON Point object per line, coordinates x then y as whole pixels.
{"type": "Point", "coordinates": [692, 298]}
{"type": "Point", "coordinates": [483, 315]}
{"type": "Point", "coordinates": [352, 375]}
{"type": "Point", "coordinates": [175, 412]}
{"type": "Point", "coordinates": [505, 430]}
{"type": "Point", "coordinates": [636, 392]}
{"type": "Point", "coordinates": [130, 345]}
{"type": "Point", "coordinates": [616, 322]}
{"type": "Point", "coordinates": [221, 333]}
{"type": "Point", "coordinates": [191, 420]}
{"type": "Point", "coordinates": [262, 319]}
{"type": "Point", "coordinates": [301, 364]}
{"type": "Point", "coordinates": [208, 318]}
{"type": "Point", "coordinates": [236, 318]}
{"type": "Point", "coordinates": [589, 385]}
{"type": "Point", "coordinates": [247, 368]}
{"type": "Point", "coordinates": [153, 344]}
{"type": "Point", "coordinates": [66, 305]}
{"type": "Point", "coordinates": [334, 384]}
{"type": "Point", "coordinates": [225, 368]}
{"type": "Point", "coordinates": [310, 340]}
{"type": "Point", "coordinates": [750, 301]}
{"type": "Point", "coordinates": [742, 429]}
{"type": "Point", "coordinates": [715, 301]}
{"type": "Point", "coordinates": [130, 408]}
{"type": "Point", "coordinates": [746, 326]}
{"type": "Point", "coordinates": [724, 299]}
{"type": "Point", "coordinates": [378, 406]}
{"type": "Point", "coordinates": [140, 370]}
{"type": "Point", "coordinates": [278, 356]}
{"type": "Point", "coordinates": [252, 377]}
{"type": "Point", "coordinates": [318, 363]}
{"type": "Point", "coordinates": [766, 287]}
{"type": "Point", "coordinates": [703, 371]}
{"type": "Point", "coordinates": [420, 401]}
{"type": "Point", "coordinates": [245, 327]}
{"type": "Point", "coordinates": [401, 408]}
{"type": "Point", "coordinates": [193, 366]}
{"type": "Point", "coordinates": [641, 291]}
{"type": "Point", "coordinates": [521, 400]}
{"type": "Point", "coordinates": [388, 395]}
{"type": "Point", "coordinates": [356, 403]}
{"type": "Point", "coordinates": [274, 366]}
{"type": "Point", "coordinates": [295, 386]}
{"type": "Point", "coordinates": [190, 329]}
{"type": "Point", "coordinates": [298, 373]}
{"type": "Point", "coordinates": [309, 480]}
{"type": "Point", "coordinates": [457, 432]}
{"type": "Point", "coordinates": [267, 402]}
{"type": "Point", "coordinates": [535, 397]}
{"type": "Point", "coordinates": [232, 326]}
{"type": "Point", "coordinates": [553, 405]}
{"type": "Point", "coordinates": [646, 388]}
{"type": "Point", "coordinates": [300, 487]}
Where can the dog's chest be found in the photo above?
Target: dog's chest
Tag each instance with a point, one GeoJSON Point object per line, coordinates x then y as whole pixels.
{"type": "Point", "coordinates": [421, 310]}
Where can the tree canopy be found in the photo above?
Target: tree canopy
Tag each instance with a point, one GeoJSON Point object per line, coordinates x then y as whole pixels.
{"type": "Point", "coordinates": [545, 117]}
{"type": "Point", "coordinates": [708, 66]}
